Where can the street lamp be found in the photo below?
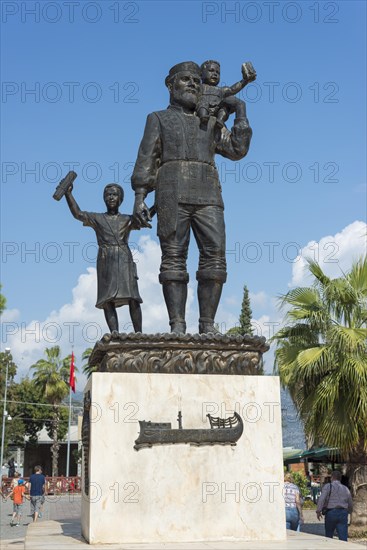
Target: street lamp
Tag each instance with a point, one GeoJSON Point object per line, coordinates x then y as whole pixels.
{"type": "Point", "coordinates": [7, 351]}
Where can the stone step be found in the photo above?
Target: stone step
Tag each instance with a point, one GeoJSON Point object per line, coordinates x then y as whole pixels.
{"type": "Point", "coordinates": [65, 535]}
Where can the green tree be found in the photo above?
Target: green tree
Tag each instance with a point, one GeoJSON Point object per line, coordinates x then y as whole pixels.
{"type": "Point", "coordinates": [6, 361]}
{"type": "Point", "coordinates": [321, 358]}
{"type": "Point", "coordinates": [87, 369]}
{"type": "Point", "coordinates": [244, 326]}
{"type": "Point", "coordinates": [27, 408]}
{"type": "Point", "coordinates": [2, 301]}
{"type": "Point", "coordinates": [51, 376]}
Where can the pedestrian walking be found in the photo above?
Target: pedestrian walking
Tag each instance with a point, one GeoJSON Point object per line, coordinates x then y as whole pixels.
{"type": "Point", "coordinates": [335, 503]}
{"type": "Point", "coordinates": [11, 464]}
{"type": "Point", "coordinates": [18, 495]}
{"type": "Point", "coordinates": [37, 483]}
{"type": "Point", "coordinates": [293, 507]}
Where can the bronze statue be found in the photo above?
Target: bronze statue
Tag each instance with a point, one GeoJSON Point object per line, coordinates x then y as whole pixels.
{"type": "Point", "coordinates": [116, 271]}
{"type": "Point", "coordinates": [219, 101]}
{"type": "Point", "coordinates": [176, 160]}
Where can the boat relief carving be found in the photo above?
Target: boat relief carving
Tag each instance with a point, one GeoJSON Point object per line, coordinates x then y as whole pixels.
{"type": "Point", "coordinates": [221, 432]}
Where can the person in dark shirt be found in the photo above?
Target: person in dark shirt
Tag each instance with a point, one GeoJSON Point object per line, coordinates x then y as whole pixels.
{"type": "Point", "coordinates": [337, 501]}
{"type": "Point", "coordinates": [11, 471]}
{"type": "Point", "coordinates": [37, 489]}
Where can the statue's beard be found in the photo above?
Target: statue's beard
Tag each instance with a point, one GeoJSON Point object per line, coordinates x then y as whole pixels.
{"type": "Point", "coordinates": [185, 98]}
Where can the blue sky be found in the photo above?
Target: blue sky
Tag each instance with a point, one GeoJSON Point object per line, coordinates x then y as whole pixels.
{"type": "Point", "coordinates": [97, 70]}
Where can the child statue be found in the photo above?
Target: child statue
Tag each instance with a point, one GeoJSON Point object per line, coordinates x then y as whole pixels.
{"type": "Point", "coordinates": [116, 271]}
{"type": "Point", "coordinates": [219, 101]}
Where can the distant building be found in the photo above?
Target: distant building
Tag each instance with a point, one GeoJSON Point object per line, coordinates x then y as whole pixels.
{"type": "Point", "coordinates": [41, 453]}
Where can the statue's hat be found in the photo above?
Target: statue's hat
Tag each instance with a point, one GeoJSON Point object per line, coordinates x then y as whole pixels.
{"type": "Point", "coordinates": [190, 66]}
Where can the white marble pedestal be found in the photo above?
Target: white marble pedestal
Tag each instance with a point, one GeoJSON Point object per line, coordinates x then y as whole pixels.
{"type": "Point", "coordinates": [183, 493]}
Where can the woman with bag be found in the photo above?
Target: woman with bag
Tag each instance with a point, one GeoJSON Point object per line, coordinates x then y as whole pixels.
{"type": "Point", "coordinates": [292, 498]}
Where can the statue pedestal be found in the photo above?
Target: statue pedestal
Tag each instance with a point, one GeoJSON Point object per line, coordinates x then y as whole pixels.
{"type": "Point", "coordinates": [179, 353]}
{"type": "Point", "coordinates": [181, 493]}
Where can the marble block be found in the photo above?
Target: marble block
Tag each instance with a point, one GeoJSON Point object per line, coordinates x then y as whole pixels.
{"type": "Point", "coordinates": [181, 492]}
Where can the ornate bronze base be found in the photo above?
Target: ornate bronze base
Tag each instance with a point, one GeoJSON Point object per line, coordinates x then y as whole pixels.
{"type": "Point", "coordinates": [174, 353]}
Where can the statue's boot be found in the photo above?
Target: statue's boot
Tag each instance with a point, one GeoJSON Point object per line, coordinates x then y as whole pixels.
{"type": "Point", "coordinates": [209, 293]}
{"type": "Point", "coordinates": [175, 295]}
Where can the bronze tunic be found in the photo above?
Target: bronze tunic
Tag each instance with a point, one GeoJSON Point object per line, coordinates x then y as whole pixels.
{"type": "Point", "coordinates": [176, 159]}
{"type": "Point", "coordinates": [116, 271]}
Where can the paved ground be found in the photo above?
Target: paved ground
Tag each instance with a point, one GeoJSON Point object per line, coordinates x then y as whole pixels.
{"type": "Point", "coordinates": [56, 507]}
{"type": "Point", "coordinates": [68, 506]}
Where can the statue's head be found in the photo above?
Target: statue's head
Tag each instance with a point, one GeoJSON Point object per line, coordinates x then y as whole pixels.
{"type": "Point", "coordinates": [210, 72]}
{"type": "Point", "coordinates": [113, 192]}
{"type": "Point", "coordinates": [184, 84]}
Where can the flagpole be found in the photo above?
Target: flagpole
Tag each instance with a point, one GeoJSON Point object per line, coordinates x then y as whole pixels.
{"type": "Point", "coordinates": [71, 388]}
{"type": "Point", "coordinates": [68, 448]}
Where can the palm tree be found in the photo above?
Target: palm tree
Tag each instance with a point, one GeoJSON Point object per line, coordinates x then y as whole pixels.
{"type": "Point", "coordinates": [51, 376]}
{"type": "Point", "coordinates": [321, 358]}
{"type": "Point", "coordinates": [87, 369]}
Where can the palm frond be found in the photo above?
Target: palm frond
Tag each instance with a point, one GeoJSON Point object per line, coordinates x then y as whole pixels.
{"type": "Point", "coordinates": [87, 369]}
{"type": "Point", "coordinates": [321, 356]}
{"type": "Point", "coordinates": [316, 270]}
{"type": "Point", "coordinates": [348, 340]}
{"type": "Point", "coordinates": [358, 276]}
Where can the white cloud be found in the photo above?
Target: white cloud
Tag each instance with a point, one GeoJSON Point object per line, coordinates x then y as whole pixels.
{"type": "Point", "coordinates": [225, 319]}
{"type": "Point", "coordinates": [78, 325]}
{"type": "Point", "coordinates": [232, 301]}
{"type": "Point", "coordinates": [10, 315]}
{"type": "Point", "coordinates": [335, 253]}
{"type": "Point", "coordinates": [258, 299]}
{"type": "Point", "coordinates": [74, 324]}
{"type": "Point", "coordinates": [266, 325]}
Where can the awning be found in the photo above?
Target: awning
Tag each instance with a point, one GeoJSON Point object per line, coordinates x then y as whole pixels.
{"type": "Point", "coordinates": [321, 454]}
{"type": "Point", "coordinates": [291, 452]}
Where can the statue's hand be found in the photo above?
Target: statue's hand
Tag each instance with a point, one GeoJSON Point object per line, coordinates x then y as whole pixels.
{"type": "Point", "coordinates": [141, 213]}
{"type": "Point", "coordinates": [69, 189]}
{"type": "Point", "coordinates": [248, 72]}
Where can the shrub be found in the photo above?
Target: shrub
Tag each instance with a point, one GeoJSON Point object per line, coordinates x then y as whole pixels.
{"type": "Point", "coordinates": [301, 481]}
{"type": "Point", "coordinates": [309, 505]}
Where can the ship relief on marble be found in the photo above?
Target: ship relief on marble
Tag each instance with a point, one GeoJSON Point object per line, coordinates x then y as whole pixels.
{"type": "Point", "coordinates": [222, 431]}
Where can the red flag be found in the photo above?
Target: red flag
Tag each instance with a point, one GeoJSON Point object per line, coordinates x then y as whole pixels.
{"type": "Point", "coordinates": [72, 373]}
